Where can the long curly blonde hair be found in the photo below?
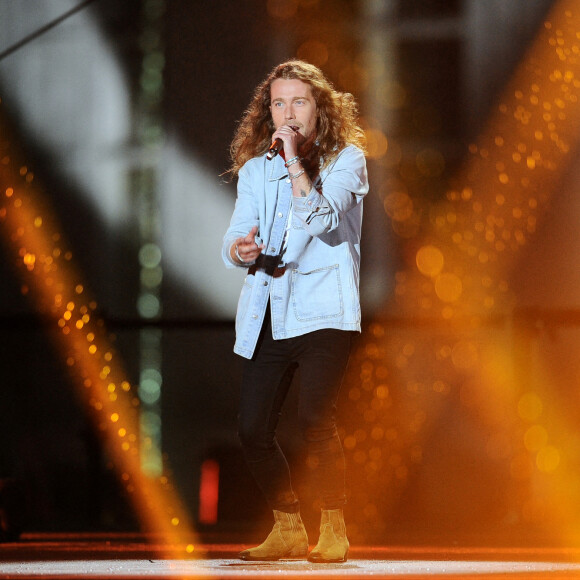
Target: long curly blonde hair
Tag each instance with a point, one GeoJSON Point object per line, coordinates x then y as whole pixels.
{"type": "Point", "coordinates": [336, 126]}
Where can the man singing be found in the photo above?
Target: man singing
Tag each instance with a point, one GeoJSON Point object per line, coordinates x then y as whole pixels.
{"type": "Point", "coordinates": [296, 228]}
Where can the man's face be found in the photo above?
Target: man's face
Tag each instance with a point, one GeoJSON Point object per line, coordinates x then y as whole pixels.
{"type": "Point", "coordinates": [292, 104]}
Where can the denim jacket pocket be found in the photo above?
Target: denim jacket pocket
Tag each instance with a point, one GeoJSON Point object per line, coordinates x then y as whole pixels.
{"type": "Point", "coordinates": [317, 294]}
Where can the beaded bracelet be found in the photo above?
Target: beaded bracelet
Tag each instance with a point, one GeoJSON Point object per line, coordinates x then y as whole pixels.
{"type": "Point", "coordinates": [292, 161]}
{"type": "Point", "coordinates": [295, 175]}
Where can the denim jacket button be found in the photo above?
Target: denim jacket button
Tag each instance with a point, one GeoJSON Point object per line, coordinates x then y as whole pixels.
{"type": "Point", "coordinates": [280, 214]}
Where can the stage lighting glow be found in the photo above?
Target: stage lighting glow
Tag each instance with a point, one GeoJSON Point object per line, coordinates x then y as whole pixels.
{"type": "Point", "coordinates": [52, 282]}
{"type": "Point", "coordinates": [458, 345]}
{"type": "Point", "coordinates": [209, 492]}
{"type": "Point", "coordinates": [313, 51]}
{"type": "Point", "coordinates": [377, 143]}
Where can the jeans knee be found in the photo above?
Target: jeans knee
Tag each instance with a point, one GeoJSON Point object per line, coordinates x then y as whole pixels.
{"type": "Point", "coordinates": [254, 437]}
{"type": "Point", "coordinates": [246, 437]}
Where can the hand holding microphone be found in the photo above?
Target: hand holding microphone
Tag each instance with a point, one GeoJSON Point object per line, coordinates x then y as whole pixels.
{"type": "Point", "coordinates": [278, 143]}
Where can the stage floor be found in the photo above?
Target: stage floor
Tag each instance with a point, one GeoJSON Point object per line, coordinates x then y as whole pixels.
{"type": "Point", "coordinates": [52, 556]}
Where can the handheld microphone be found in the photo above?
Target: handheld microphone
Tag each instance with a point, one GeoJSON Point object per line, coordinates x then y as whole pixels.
{"type": "Point", "coordinates": [275, 148]}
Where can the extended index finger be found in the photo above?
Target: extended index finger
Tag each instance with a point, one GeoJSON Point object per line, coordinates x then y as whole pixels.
{"type": "Point", "coordinates": [251, 237]}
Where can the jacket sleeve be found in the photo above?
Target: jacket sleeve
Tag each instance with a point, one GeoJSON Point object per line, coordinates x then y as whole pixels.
{"type": "Point", "coordinates": [343, 186]}
{"type": "Point", "coordinates": [244, 218]}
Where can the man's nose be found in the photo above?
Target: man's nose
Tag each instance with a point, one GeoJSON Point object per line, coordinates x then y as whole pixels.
{"type": "Point", "coordinates": [289, 113]}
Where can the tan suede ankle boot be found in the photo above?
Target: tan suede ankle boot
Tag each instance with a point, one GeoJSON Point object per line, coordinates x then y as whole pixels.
{"type": "Point", "coordinates": [288, 539]}
{"type": "Point", "coordinates": [332, 545]}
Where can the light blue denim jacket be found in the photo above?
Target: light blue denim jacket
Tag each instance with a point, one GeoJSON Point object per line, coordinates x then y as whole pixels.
{"type": "Point", "coordinates": [320, 285]}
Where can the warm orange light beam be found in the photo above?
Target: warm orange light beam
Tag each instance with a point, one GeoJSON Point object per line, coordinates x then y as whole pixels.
{"type": "Point", "coordinates": [458, 345]}
{"type": "Point", "coordinates": [55, 287]}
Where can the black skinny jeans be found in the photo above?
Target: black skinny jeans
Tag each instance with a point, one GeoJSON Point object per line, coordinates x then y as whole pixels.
{"type": "Point", "coordinates": [322, 356]}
